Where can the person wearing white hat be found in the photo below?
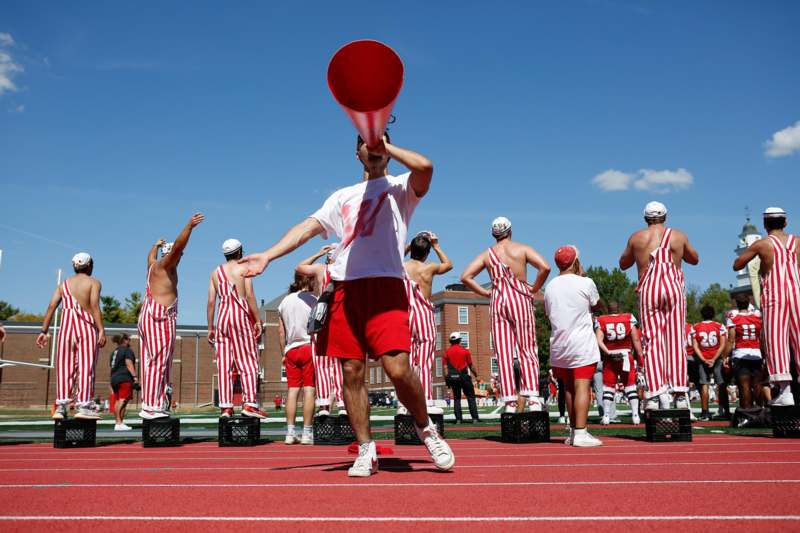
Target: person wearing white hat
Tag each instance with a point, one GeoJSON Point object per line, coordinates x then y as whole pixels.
{"type": "Point", "coordinates": [457, 360]}
{"type": "Point", "coordinates": [512, 310]}
{"type": "Point", "coordinates": [419, 283]}
{"type": "Point", "coordinates": [235, 335]}
{"type": "Point", "coordinates": [658, 252]}
{"type": "Point", "coordinates": [779, 254]}
{"type": "Point", "coordinates": [157, 321]}
{"type": "Point", "coordinates": [327, 370]}
{"type": "Point", "coordinates": [79, 337]}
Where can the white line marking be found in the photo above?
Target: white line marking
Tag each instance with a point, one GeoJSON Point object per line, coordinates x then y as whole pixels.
{"type": "Point", "coordinates": [67, 485]}
{"type": "Point", "coordinates": [626, 518]}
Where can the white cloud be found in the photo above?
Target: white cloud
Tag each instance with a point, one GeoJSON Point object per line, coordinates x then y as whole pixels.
{"type": "Point", "coordinates": [784, 142]}
{"type": "Point", "coordinates": [613, 180]}
{"type": "Point", "coordinates": [659, 181]}
{"type": "Point", "coordinates": [9, 68]}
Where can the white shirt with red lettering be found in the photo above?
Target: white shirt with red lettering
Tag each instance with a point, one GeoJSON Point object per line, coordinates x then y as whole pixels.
{"type": "Point", "coordinates": [371, 220]}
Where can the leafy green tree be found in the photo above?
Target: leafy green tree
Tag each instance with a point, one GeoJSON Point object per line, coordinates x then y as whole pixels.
{"type": "Point", "coordinates": [543, 330]}
{"type": "Point", "coordinates": [7, 310]}
{"type": "Point", "coordinates": [133, 306]}
{"type": "Point", "coordinates": [614, 285]}
{"type": "Point", "coordinates": [112, 310]}
{"type": "Point", "coordinates": [718, 298]}
{"type": "Point", "coordinates": [692, 304]}
{"type": "Point", "coordinates": [27, 317]}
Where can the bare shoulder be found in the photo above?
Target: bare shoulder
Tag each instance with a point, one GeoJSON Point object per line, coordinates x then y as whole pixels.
{"type": "Point", "coordinates": [679, 235]}
{"type": "Point", "coordinates": [96, 283]}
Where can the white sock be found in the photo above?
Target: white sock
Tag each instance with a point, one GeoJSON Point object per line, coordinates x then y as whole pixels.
{"type": "Point", "coordinates": [576, 432]}
{"type": "Point", "coordinates": [290, 429]}
{"type": "Point", "coordinates": [308, 430]}
{"type": "Point", "coordinates": [634, 404]}
{"type": "Point", "coordinates": [607, 407]}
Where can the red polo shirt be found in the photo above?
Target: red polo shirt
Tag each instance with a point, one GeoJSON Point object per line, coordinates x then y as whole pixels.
{"type": "Point", "coordinates": [458, 356]}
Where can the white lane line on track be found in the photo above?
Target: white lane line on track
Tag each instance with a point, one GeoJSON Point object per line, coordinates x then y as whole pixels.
{"type": "Point", "coordinates": [157, 469]}
{"type": "Point", "coordinates": [68, 485]}
{"type": "Point", "coordinates": [626, 518]}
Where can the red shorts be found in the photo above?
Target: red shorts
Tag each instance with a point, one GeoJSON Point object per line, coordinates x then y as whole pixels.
{"type": "Point", "coordinates": [299, 367]}
{"type": "Point", "coordinates": [123, 391]}
{"type": "Point", "coordinates": [612, 370]}
{"type": "Point", "coordinates": [366, 317]}
{"type": "Point", "coordinates": [569, 375]}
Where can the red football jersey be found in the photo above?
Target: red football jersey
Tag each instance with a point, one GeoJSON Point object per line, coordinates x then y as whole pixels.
{"type": "Point", "coordinates": [747, 325]}
{"type": "Point", "coordinates": [616, 330]}
{"type": "Point", "coordinates": [689, 337]}
{"type": "Point", "coordinates": [709, 335]}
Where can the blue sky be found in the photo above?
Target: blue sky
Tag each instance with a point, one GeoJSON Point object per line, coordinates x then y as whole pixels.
{"type": "Point", "coordinates": [117, 121]}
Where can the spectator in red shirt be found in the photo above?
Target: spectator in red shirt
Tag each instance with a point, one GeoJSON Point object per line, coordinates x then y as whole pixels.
{"type": "Point", "coordinates": [458, 359]}
{"type": "Point", "coordinates": [709, 348]}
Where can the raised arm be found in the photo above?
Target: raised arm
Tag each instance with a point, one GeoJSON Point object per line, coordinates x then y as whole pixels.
{"type": "Point", "coordinates": [748, 255]}
{"type": "Point", "coordinates": [306, 267]}
{"type": "Point", "coordinates": [251, 303]}
{"type": "Point", "coordinates": [420, 166]}
{"type": "Point", "coordinates": [210, 308]}
{"type": "Point", "coordinates": [627, 259]}
{"type": "Point", "coordinates": [445, 265]}
{"type": "Point", "coordinates": [294, 238]}
{"type": "Point", "coordinates": [55, 300]}
{"type": "Point", "coordinates": [152, 255]}
{"type": "Point", "coordinates": [473, 269]}
{"type": "Point", "coordinates": [173, 258]}
{"type": "Point", "coordinates": [94, 309]}
{"type": "Point", "coordinates": [538, 262]}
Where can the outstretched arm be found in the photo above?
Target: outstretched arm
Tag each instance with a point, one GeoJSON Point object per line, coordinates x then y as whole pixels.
{"type": "Point", "coordinates": [173, 258]}
{"type": "Point", "coordinates": [94, 307]}
{"type": "Point", "coordinates": [539, 263]}
{"type": "Point", "coordinates": [55, 300]}
{"type": "Point", "coordinates": [210, 305]}
{"type": "Point", "coordinates": [420, 166]}
{"type": "Point", "coordinates": [627, 259]}
{"type": "Point", "coordinates": [153, 253]}
{"type": "Point", "coordinates": [468, 276]}
{"type": "Point", "coordinates": [255, 264]}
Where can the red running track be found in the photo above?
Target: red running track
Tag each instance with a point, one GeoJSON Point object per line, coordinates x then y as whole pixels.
{"type": "Point", "coordinates": [717, 481]}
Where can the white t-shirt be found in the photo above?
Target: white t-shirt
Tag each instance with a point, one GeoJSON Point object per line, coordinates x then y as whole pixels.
{"type": "Point", "coordinates": [371, 220]}
{"type": "Point", "coordinates": [294, 310]}
{"type": "Point", "coordinates": [568, 302]}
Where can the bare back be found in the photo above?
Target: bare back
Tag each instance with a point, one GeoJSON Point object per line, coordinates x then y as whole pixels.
{"type": "Point", "coordinates": [82, 287]}
{"type": "Point", "coordinates": [163, 283]}
{"type": "Point", "coordinates": [422, 273]}
{"type": "Point", "coordinates": [235, 274]}
{"type": "Point", "coordinates": [644, 242]}
{"type": "Point", "coordinates": [766, 251]}
{"type": "Point", "coordinates": [514, 255]}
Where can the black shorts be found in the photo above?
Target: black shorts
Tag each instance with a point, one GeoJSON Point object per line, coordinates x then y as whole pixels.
{"type": "Point", "coordinates": [694, 377]}
{"type": "Point", "coordinates": [704, 373]}
{"type": "Point", "coordinates": [747, 367]}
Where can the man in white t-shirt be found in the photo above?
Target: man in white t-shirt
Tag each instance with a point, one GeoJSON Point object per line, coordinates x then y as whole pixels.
{"type": "Point", "coordinates": [368, 312]}
{"type": "Point", "coordinates": [569, 301]}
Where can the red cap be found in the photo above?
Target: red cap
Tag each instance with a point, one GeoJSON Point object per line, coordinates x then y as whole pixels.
{"type": "Point", "coordinates": [565, 256]}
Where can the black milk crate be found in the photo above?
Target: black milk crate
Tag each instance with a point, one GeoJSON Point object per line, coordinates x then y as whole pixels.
{"type": "Point", "coordinates": [785, 421]}
{"type": "Point", "coordinates": [75, 433]}
{"type": "Point", "coordinates": [333, 430]}
{"type": "Point", "coordinates": [239, 431]}
{"type": "Point", "coordinates": [161, 432]}
{"type": "Point", "coordinates": [405, 429]}
{"type": "Point", "coordinates": [533, 426]}
{"type": "Point", "coordinates": [753, 417]}
{"type": "Point", "coordinates": [668, 425]}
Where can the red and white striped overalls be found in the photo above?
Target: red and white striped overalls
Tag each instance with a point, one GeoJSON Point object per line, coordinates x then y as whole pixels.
{"type": "Point", "coordinates": [157, 339]}
{"type": "Point", "coordinates": [77, 352]}
{"type": "Point", "coordinates": [423, 336]}
{"type": "Point", "coordinates": [662, 311]}
{"type": "Point", "coordinates": [780, 306]}
{"type": "Point", "coordinates": [513, 330]}
{"type": "Point", "coordinates": [235, 343]}
{"type": "Point", "coordinates": [327, 370]}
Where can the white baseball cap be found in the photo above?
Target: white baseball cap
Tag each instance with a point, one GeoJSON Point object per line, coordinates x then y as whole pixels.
{"type": "Point", "coordinates": [500, 226]}
{"type": "Point", "coordinates": [332, 250]}
{"type": "Point", "coordinates": [166, 248]}
{"type": "Point", "coordinates": [655, 210]}
{"type": "Point", "coordinates": [81, 259]}
{"type": "Point", "coordinates": [230, 246]}
{"type": "Point", "coordinates": [455, 336]}
{"type": "Point", "coordinates": [774, 212]}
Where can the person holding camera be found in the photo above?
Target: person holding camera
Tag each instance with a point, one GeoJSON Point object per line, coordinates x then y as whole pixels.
{"type": "Point", "coordinates": [458, 359]}
{"type": "Point", "coordinates": [124, 379]}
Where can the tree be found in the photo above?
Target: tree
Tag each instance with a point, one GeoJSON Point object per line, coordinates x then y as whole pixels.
{"type": "Point", "coordinates": [614, 285]}
{"type": "Point", "coordinates": [133, 306]}
{"type": "Point", "coordinates": [27, 317]}
{"type": "Point", "coordinates": [7, 310]}
{"type": "Point", "coordinates": [111, 310]}
{"type": "Point", "coordinates": [718, 298]}
{"type": "Point", "coordinates": [692, 305]}
{"type": "Point", "coordinates": [543, 331]}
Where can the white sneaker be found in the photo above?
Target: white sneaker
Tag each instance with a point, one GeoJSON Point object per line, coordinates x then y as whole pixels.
{"type": "Point", "coordinates": [562, 420]}
{"type": "Point", "coordinates": [605, 420]}
{"type": "Point", "coordinates": [87, 413]}
{"type": "Point", "coordinates": [585, 439]}
{"type": "Point", "coordinates": [307, 438]}
{"type": "Point", "coordinates": [401, 410]}
{"type": "Point", "coordinates": [440, 451]}
{"type": "Point", "coordinates": [785, 397]}
{"type": "Point", "coordinates": [511, 407]}
{"type": "Point", "coordinates": [635, 419]}
{"type": "Point", "coordinates": [342, 411]}
{"type": "Point", "coordinates": [366, 463]}
{"type": "Point", "coordinates": [568, 440]}
{"type": "Point", "coordinates": [433, 410]}
{"type": "Point", "coordinates": [665, 401]}
{"type": "Point", "coordinates": [291, 438]}
{"type": "Point", "coordinates": [681, 402]}
{"type": "Point", "coordinates": [535, 404]}
{"type": "Point", "coordinates": [323, 412]}
{"type": "Point", "coordinates": [60, 412]}
{"type": "Point", "coordinates": [652, 404]}
{"type": "Point", "coordinates": [122, 427]}
{"type": "Point", "coordinates": [152, 415]}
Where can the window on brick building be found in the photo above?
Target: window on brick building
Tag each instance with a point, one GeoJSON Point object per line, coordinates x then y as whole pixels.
{"type": "Point", "coordinates": [495, 366]}
{"type": "Point", "coordinates": [438, 340]}
{"type": "Point", "coordinates": [283, 373]}
{"type": "Point", "coordinates": [491, 342]}
{"type": "Point", "coordinates": [378, 377]}
{"type": "Point", "coordinates": [438, 367]}
{"type": "Point", "coordinates": [372, 375]}
{"type": "Point", "coordinates": [437, 316]}
{"type": "Point", "coordinates": [463, 314]}
{"type": "Point", "coordinates": [465, 339]}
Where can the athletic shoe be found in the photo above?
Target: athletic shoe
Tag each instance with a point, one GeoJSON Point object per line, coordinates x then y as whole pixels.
{"type": "Point", "coordinates": [605, 420]}
{"type": "Point", "coordinates": [401, 410]}
{"type": "Point", "coordinates": [122, 427]}
{"type": "Point", "coordinates": [585, 440]}
{"type": "Point", "coordinates": [440, 451]}
{"type": "Point", "coordinates": [323, 412]}
{"type": "Point", "coordinates": [562, 420]}
{"type": "Point", "coordinates": [152, 415]}
{"type": "Point", "coordinates": [60, 412]}
{"type": "Point", "coordinates": [511, 407]}
{"type": "Point", "coordinates": [342, 412]}
{"type": "Point", "coordinates": [568, 440]}
{"type": "Point", "coordinates": [785, 397]}
{"type": "Point", "coordinates": [87, 413]}
{"type": "Point", "coordinates": [535, 404]}
{"type": "Point", "coordinates": [665, 401]}
{"type": "Point", "coordinates": [366, 463]}
{"type": "Point", "coordinates": [681, 402]}
{"type": "Point", "coordinates": [615, 420]}
{"type": "Point", "coordinates": [433, 410]}
{"type": "Point", "coordinates": [652, 404]}
{"type": "Point", "coordinates": [253, 412]}
{"type": "Point", "coordinates": [705, 416]}
{"type": "Point", "coordinates": [226, 412]}
{"type": "Point", "coordinates": [291, 438]}
{"type": "Point", "coordinates": [307, 438]}
{"type": "Point", "coordinates": [635, 419]}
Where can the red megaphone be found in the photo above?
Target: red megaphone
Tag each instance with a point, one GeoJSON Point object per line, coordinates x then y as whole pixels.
{"type": "Point", "coordinates": [365, 77]}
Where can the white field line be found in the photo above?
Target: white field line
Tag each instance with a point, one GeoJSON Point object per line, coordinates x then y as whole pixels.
{"type": "Point", "coordinates": [625, 518]}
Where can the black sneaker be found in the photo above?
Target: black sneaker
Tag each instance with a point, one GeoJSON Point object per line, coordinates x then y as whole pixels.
{"type": "Point", "coordinates": [705, 416]}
